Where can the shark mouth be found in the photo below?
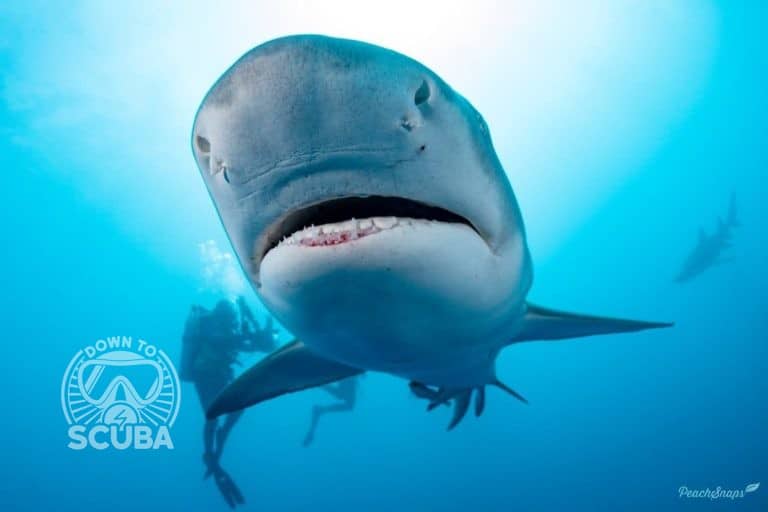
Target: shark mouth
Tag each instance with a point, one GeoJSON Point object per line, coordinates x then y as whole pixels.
{"type": "Point", "coordinates": [342, 220]}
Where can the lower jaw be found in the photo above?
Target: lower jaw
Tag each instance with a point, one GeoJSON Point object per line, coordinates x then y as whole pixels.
{"type": "Point", "coordinates": [415, 339]}
{"type": "Point", "coordinates": [399, 290]}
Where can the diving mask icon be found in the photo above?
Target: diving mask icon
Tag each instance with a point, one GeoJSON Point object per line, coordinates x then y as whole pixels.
{"type": "Point", "coordinates": [120, 377]}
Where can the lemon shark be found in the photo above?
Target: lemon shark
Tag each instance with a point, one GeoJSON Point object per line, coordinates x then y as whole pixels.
{"type": "Point", "coordinates": [367, 206]}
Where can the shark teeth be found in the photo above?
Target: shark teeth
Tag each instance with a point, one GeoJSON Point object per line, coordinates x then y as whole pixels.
{"type": "Point", "coordinates": [347, 231]}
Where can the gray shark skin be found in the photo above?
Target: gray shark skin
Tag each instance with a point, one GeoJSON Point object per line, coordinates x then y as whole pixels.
{"type": "Point", "coordinates": [367, 206]}
{"type": "Point", "coordinates": [709, 249]}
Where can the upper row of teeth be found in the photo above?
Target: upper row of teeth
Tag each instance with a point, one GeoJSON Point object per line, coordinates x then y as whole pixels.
{"type": "Point", "coordinates": [355, 227]}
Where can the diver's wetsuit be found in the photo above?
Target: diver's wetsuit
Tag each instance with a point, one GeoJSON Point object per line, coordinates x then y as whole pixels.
{"type": "Point", "coordinates": [212, 342]}
{"type": "Point", "coordinates": [346, 391]}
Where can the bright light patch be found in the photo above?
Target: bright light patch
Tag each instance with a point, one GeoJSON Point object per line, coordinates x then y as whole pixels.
{"type": "Point", "coordinates": [577, 95]}
{"type": "Point", "coordinates": [220, 271]}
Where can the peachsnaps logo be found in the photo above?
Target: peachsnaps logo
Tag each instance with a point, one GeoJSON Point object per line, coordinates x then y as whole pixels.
{"type": "Point", "coordinates": [121, 393]}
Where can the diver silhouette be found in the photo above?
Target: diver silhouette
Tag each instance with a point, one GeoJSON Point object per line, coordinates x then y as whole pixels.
{"type": "Point", "coordinates": [211, 344]}
{"type": "Point", "coordinates": [345, 391]}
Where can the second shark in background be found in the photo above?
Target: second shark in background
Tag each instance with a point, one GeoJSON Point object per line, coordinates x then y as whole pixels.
{"type": "Point", "coordinates": [709, 249]}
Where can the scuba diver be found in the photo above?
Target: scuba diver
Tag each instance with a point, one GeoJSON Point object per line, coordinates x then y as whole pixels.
{"type": "Point", "coordinates": [211, 344]}
{"type": "Point", "coordinates": [345, 391]}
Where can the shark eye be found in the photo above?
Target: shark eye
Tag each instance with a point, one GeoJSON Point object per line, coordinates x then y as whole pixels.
{"type": "Point", "coordinates": [224, 172]}
{"type": "Point", "coordinates": [422, 94]}
{"type": "Point", "coordinates": [203, 145]}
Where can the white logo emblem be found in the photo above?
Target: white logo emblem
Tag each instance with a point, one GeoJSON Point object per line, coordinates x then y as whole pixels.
{"type": "Point", "coordinates": [121, 393]}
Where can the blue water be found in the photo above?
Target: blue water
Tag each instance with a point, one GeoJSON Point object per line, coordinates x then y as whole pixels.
{"type": "Point", "coordinates": [103, 210]}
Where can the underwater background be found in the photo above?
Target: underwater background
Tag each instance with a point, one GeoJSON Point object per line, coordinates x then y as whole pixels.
{"type": "Point", "coordinates": [625, 127]}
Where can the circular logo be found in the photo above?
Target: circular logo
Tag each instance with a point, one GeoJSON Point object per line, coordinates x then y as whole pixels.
{"type": "Point", "coordinates": [119, 385]}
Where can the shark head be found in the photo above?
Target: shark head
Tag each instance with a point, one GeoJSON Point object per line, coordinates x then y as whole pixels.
{"type": "Point", "coordinates": [363, 198]}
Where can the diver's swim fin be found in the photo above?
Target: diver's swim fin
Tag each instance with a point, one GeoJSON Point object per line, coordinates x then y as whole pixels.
{"type": "Point", "coordinates": [548, 324]}
{"type": "Point", "coordinates": [290, 368]}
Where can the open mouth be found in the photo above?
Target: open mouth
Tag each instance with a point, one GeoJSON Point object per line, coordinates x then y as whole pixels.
{"type": "Point", "coordinates": [347, 219]}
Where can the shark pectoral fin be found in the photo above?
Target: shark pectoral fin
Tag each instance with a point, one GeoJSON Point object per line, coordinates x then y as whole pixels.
{"type": "Point", "coordinates": [290, 368]}
{"type": "Point", "coordinates": [548, 324]}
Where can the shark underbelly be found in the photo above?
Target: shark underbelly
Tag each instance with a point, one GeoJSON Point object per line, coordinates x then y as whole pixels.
{"type": "Point", "coordinates": [456, 352]}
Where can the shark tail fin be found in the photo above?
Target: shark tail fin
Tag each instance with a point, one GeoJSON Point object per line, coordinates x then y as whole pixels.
{"type": "Point", "coordinates": [292, 367]}
{"type": "Point", "coordinates": [549, 324]}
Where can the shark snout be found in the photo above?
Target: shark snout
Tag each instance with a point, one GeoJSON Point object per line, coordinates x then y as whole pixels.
{"type": "Point", "coordinates": [308, 130]}
{"type": "Point", "coordinates": [300, 96]}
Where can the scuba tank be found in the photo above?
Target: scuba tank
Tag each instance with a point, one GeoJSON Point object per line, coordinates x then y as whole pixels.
{"type": "Point", "coordinates": [260, 339]}
{"type": "Point", "coordinates": [190, 343]}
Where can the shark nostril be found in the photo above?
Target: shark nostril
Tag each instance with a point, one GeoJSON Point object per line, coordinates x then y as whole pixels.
{"type": "Point", "coordinates": [422, 94]}
{"type": "Point", "coordinates": [203, 145]}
